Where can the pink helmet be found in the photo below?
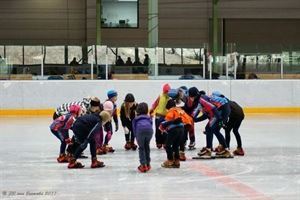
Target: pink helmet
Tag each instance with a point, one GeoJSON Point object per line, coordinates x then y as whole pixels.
{"type": "Point", "coordinates": [108, 106]}
{"type": "Point", "coordinates": [75, 109]}
{"type": "Point", "coordinates": [166, 88]}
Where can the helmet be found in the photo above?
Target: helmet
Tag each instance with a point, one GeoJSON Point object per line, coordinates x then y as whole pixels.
{"type": "Point", "coordinates": [216, 93]}
{"type": "Point", "coordinates": [129, 98]}
{"type": "Point", "coordinates": [193, 92]}
{"type": "Point", "coordinates": [108, 106]}
{"type": "Point", "coordinates": [173, 93]}
{"type": "Point", "coordinates": [74, 109]}
{"type": "Point", "coordinates": [112, 93]}
{"type": "Point", "coordinates": [166, 88]}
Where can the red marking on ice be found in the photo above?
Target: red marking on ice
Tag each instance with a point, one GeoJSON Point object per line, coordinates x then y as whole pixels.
{"type": "Point", "coordinates": [233, 184]}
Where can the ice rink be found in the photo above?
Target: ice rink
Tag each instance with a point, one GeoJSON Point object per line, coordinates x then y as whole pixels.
{"type": "Point", "coordinates": [269, 170]}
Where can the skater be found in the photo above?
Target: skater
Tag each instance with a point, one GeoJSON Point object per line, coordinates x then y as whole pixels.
{"type": "Point", "coordinates": [127, 114]}
{"type": "Point", "coordinates": [112, 97]}
{"type": "Point", "coordinates": [84, 129]}
{"type": "Point", "coordinates": [191, 107]}
{"type": "Point", "coordinates": [213, 127]}
{"type": "Point", "coordinates": [88, 105]}
{"type": "Point", "coordinates": [109, 107]}
{"type": "Point", "coordinates": [142, 129]}
{"type": "Point", "coordinates": [174, 127]}
{"type": "Point", "coordinates": [236, 117]}
{"type": "Point", "coordinates": [60, 128]}
{"type": "Point", "coordinates": [223, 107]}
{"type": "Point", "coordinates": [159, 106]}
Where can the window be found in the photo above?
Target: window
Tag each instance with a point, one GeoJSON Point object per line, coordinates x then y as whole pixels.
{"type": "Point", "coordinates": [119, 14]}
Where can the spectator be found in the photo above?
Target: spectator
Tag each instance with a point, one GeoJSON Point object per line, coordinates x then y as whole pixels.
{"type": "Point", "coordinates": [128, 61]}
{"type": "Point", "coordinates": [252, 76]}
{"type": "Point", "coordinates": [119, 61]}
{"type": "Point", "coordinates": [137, 62]}
{"type": "Point", "coordinates": [74, 62]}
{"type": "Point", "coordinates": [146, 60]}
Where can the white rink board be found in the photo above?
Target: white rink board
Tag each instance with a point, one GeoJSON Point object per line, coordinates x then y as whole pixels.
{"type": "Point", "coordinates": [50, 94]}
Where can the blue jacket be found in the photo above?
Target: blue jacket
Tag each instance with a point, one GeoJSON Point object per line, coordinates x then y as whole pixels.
{"type": "Point", "coordinates": [142, 123]}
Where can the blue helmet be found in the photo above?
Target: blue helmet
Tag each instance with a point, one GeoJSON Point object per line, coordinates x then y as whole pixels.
{"type": "Point", "coordinates": [216, 93]}
{"type": "Point", "coordinates": [112, 93]}
{"type": "Point", "coordinates": [173, 93]}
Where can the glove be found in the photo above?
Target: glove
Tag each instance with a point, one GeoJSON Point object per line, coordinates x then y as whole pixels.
{"type": "Point", "coordinates": [161, 128]}
{"type": "Point", "coordinates": [68, 141]}
{"type": "Point", "coordinates": [117, 127]}
{"type": "Point", "coordinates": [126, 130]}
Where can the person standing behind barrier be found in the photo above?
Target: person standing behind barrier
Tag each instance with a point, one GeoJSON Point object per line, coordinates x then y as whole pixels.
{"type": "Point", "coordinates": [119, 61]}
{"type": "Point", "coordinates": [128, 61]}
{"type": "Point", "coordinates": [142, 129]}
{"type": "Point", "coordinates": [159, 106]}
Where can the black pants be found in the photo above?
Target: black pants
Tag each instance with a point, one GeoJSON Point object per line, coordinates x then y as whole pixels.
{"type": "Point", "coordinates": [173, 141]}
{"type": "Point", "coordinates": [160, 137]}
{"type": "Point", "coordinates": [184, 137]}
{"type": "Point", "coordinates": [80, 138]}
{"type": "Point", "coordinates": [233, 124]}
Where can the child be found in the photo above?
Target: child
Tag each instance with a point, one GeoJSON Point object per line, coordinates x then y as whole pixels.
{"type": "Point", "coordinates": [142, 129]}
{"type": "Point", "coordinates": [127, 114]}
{"type": "Point", "coordinates": [84, 129]}
{"type": "Point", "coordinates": [109, 107]}
{"type": "Point", "coordinates": [211, 113]}
{"type": "Point", "coordinates": [159, 106]}
{"type": "Point", "coordinates": [88, 105]}
{"type": "Point", "coordinates": [236, 117]}
{"type": "Point", "coordinates": [174, 127]}
{"type": "Point", "coordinates": [60, 128]}
{"type": "Point", "coordinates": [112, 97]}
{"type": "Point", "coordinates": [191, 107]}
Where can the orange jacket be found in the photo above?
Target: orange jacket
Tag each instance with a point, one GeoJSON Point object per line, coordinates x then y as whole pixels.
{"type": "Point", "coordinates": [177, 112]}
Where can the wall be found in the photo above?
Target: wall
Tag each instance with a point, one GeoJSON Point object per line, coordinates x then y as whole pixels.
{"type": "Point", "coordinates": [50, 94]}
{"type": "Point", "coordinates": [35, 22]}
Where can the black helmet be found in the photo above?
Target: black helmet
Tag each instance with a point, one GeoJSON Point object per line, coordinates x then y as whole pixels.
{"type": "Point", "coordinates": [129, 98]}
{"type": "Point", "coordinates": [193, 92]}
{"type": "Point", "coordinates": [142, 109]}
{"type": "Point", "coordinates": [170, 104]}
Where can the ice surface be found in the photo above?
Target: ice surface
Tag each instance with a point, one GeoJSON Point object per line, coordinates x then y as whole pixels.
{"type": "Point", "coordinates": [270, 169]}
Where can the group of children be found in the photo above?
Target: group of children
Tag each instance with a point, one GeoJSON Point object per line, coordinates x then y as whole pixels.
{"type": "Point", "coordinates": [175, 112]}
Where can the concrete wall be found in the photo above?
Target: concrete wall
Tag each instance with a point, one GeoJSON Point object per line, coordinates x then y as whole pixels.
{"type": "Point", "coordinates": [50, 94]}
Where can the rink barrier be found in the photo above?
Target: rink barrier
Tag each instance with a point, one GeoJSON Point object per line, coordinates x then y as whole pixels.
{"type": "Point", "coordinates": [49, 112]}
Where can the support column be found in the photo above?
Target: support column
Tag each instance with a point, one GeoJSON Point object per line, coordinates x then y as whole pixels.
{"type": "Point", "coordinates": [215, 31]}
{"type": "Point", "coordinates": [98, 23]}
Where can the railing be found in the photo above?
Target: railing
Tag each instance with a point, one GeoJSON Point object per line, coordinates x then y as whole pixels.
{"type": "Point", "coordinates": [102, 62]}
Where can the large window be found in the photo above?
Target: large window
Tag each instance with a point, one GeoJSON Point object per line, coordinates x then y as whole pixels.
{"type": "Point", "coordinates": [119, 13]}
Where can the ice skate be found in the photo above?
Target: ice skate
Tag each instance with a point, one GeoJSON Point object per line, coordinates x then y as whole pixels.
{"type": "Point", "coordinates": [182, 156]}
{"type": "Point", "coordinates": [192, 146]}
{"type": "Point", "coordinates": [219, 148]}
{"type": "Point", "coordinates": [148, 167]}
{"type": "Point", "coordinates": [100, 151]}
{"type": "Point", "coordinates": [224, 154]}
{"type": "Point", "coordinates": [127, 146]}
{"type": "Point", "coordinates": [96, 163]}
{"type": "Point", "coordinates": [176, 163]}
{"type": "Point", "coordinates": [63, 158]}
{"type": "Point", "coordinates": [168, 164]}
{"type": "Point", "coordinates": [109, 148]}
{"type": "Point", "coordinates": [73, 164]}
{"type": "Point", "coordinates": [143, 168]}
{"type": "Point", "coordinates": [204, 154]}
{"type": "Point", "coordinates": [239, 151]}
{"type": "Point", "coordinates": [133, 146]}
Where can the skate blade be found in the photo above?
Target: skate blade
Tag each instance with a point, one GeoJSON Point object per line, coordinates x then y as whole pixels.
{"type": "Point", "coordinates": [204, 157]}
{"type": "Point", "coordinates": [224, 157]}
{"type": "Point", "coordinates": [192, 148]}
